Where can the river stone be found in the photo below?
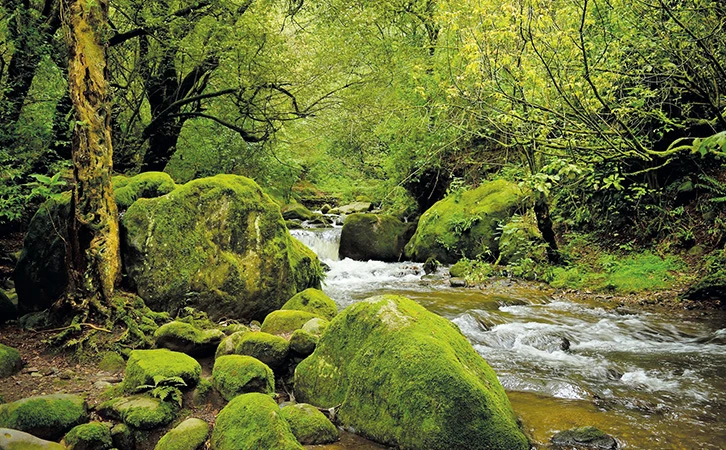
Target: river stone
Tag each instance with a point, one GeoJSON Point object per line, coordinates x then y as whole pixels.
{"type": "Point", "coordinates": [352, 208]}
{"type": "Point", "coordinates": [186, 338]}
{"type": "Point", "coordinates": [252, 422]}
{"type": "Point", "coordinates": [284, 322]}
{"type": "Point", "coordinates": [465, 224]}
{"type": "Point", "coordinates": [144, 366]}
{"type": "Point", "coordinates": [46, 416]}
{"type": "Point", "coordinates": [233, 375]}
{"type": "Point", "coordinates": [378, 237]}
{"type": "Point", "coordinates": [314, 301]}
{"type": "Point", "coordinates": [188, 435]}
{"type": "Point", "coordinates": [218, 244]}
{"type": "Point", "coordinates": [89, 436]}
{"type": "Point", "coordinates": [309, 425]}
{"type": "Point", "coordinates": [139, 411]}
{"type": "Point", "coordinates": [584, 438]}
{"type": "Point", "coordinates": [10, 361]}
{"type": "Point", "coordinates": [296, 211]}
{"type": "Point", "coordinates": [18, 440]}
{"type": "Point", "coordinates": [405, 377]}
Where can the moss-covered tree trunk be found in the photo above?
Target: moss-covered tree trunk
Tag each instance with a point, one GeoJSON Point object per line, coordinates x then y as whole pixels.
{"type": "Point", "coordinates": [93, 255]}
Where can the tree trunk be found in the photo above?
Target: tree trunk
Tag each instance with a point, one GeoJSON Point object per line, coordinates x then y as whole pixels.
{"type": "Point", "coordinates": [93, 254]}
{"type": "Point", "coordinates": [544, 223]}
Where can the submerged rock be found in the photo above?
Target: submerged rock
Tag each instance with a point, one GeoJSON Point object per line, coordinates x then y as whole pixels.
{"type": "Point", "coordinates": [10, 361]}
{"type": "Point", "coordinates": [218, 244]}
{"type": "Point", "coordinates": [186, 338]}
{"type": "Point", "coordinates": [309, 425]}
{"type": "Point", "coordinates": [406, 377]}
{"type": "Point", "coordinates": [233, 375]}
{"type": "Point", "coordinates": [373, 236]}
{"type": "Point", "coordinates": [584, 438]}
{"type": "Point", "coordinates": [18, 440]}
{"type": "Point", "coordinates": [252, 422]}
{"type": "Point", "coordinates": [45, 416]}
{"type": "Point", "coordinates": [314, 301]}
{"type": "Point", "coordinates": [465, 224]}
{"type": "Point", "coordinates": [188, 435]}
{"type": "Point", "coordinates": [144, 366]}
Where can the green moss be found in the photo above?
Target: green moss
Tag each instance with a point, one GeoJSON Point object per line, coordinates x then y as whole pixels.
{"type": "Point", "coordinates": [284, 322]}
{"type": "Point", "coordinates": [406, 377]}
{"type": "Point", "coordinates": [233, 375]}
{"type": "Point", "coordinates": [10, 361]}
{"type": "Point", "coordinates": [47, 416]}
{"type": "Point", "coordinates": [217, 244]}
{"type": "Point", "coordinates": [202, 393]}
{"type": "Point", "coordinates": [186, 338]}
{"type": "Point", "coordinates": [139, 411]}
{"type": "Point", "coordinates": [112, 362]}
{"type": "Point", "coordinates": [252, 422]}
{"type": "Point", "coordinates": [465, 223]}
{"type": "Point", "coordinates": [316, 326]}
{"type": "Point", "coordinates": [18, 440]}
{"type": "Point", "coordinates": [270, 349]}
{"type": "Point", "coordinates": [143, 185]}
{"type": "Point", "coordinates": [309, 425]}
{"type": "Point", "coordinates": [373, 236]}
{"type": "Point", "coordinates": [89, 436]}
{"type": "Point", "coordinates": [521, 239]}
{"type": "Point", "coordinates": [188, 435]}
{"type": "Point", "coordinates": [303, 342]}
{"type": "Point", "coordinates": [296, 211]}
{"type": "Point", "coordinates": [234, 328]}
{"type": "Point", "coordinates": [230, 343]}
{"type": "Point", "coordinates": [144, 365]}
{"type": "Point", "coordinates": [314, 301]}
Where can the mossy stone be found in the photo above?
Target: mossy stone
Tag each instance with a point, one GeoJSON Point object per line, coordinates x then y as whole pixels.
{"type": "Point", "coordinates": [144, 365]}
{"type": "Point", "coordinates": [373, 236]}
{"type": "Point", "coordinates": [89, 436]}
{"type": "Point", "coordinates": [316, 326]}
{"type": "Point", "coordinates": [203, 392]}
{"type": "Point", "coordinates": [303, 342]}
{"type": "Point", "coordinates": [284, 322]}
{"type": "Point", "coordinates": [143, 185]}
{"type": "Point", "coordinates": [296, 211]}
{"type": "Point", "coordinates": [139, 411]}
{"type": "Point", "coordinates": [186, 338]}
{"type": "Point", "coordinates": [314, 301]}
{"type": "Point", "coordinates": [10, 361]}
{"type": "Point", "coordinates": [353, 208]}
{"type": "Point", "coordinates": [252, 422]}
{"type": "Point", "coordinates": [218, 244]}
{"type": "Point", "coordinates": [112, 362]}
{"type": "Point", "coordinates": [268, 348]}
{"type": "Point", "coordinates": [230, 343]}
{"type": "Point", "coordinates": [47, 416]}
{"type": "Point", "coordinates": [309, 425]}
{"type": "Point", "coordinates": [8, 311]}
{"type": "Point", "coordinates": [234, 328]}
{"type": "Point", "coordinates": [122, 437]}
{"type": "Point", "coordinates": [408, 378]}
{"type": "Point", "coordinates": [233, 375]}
{"type": "Point", "coordinates": [18, 440]}
{"type": "Point", "coordinates": [584, 437]}
{"type": "Point", "coordinates": [465, 223]}
{"type": "Point", "coordinates": [459, 270]}
{"type": "Point", "coordinates": [188, 435]}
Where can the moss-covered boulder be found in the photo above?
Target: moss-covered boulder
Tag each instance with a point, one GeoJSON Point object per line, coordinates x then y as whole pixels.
{"type": "Point", "coordinates": [303, 343]}
{"type": "Point", "coordinates": [252, 422]}
{"type": "Point", "coordinates": [123, 437]}
{"type": "Point", "coordinates": [406, 377]}
{"type": "Point", "coordinates": [296, 211]}
{"type": "Point", "coordinates": [89, 436]}
{"type": "Point", "coordinates": [139, 411]}
{"type": "Point", "coordinates": [8, 311]}
{"type": "Point", "coordinates": [47, 416]}
{"type": "Point", "coordinates": [143, 185]}
{"type": "Point", "coordinates": [230, 343]}
{"type": "Point", "coordinates": [146, 367]}
{"type": "Point", "coordinates": [355, 207]}
{"type": "Point", "coordinates": [186, 338]}
{"type": "Point", "coordinates": [309, 425]}
{"type": "Point", "coordinates": [584, 438]}
{"type": "Point", "coordinates": [314, 301]}
{"type": "Point", "coordinates": [268, 348]}
{"type": "Point", "coordinates": [373, 236]}
{"type": "Point", "coordinates": [284, 322]}
{"type": "Point", "coordinates": [218, 244]}
{"type": "Point", "coordinates": [233, 375]}
{"type": "Point", "coordinates": [316, 326]}
{"type": "Point", "coordinates": [10, 361]}
{"type": "Point", "coordinates": [188, 435]}
{"type": "Point", "coordinates": [18, 440]}
{"type": "Point", "coordinates": [465, 223]}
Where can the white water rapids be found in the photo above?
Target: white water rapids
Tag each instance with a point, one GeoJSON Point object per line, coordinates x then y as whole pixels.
{"type": "Point", "coordinates": [662, 374]}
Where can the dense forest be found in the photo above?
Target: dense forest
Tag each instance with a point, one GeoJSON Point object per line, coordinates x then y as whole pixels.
{"type": "Point", "coordinates": [171, 173]}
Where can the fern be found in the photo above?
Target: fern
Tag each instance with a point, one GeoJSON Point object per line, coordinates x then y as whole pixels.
{"type": "Point", "coordinates": [165, 389]}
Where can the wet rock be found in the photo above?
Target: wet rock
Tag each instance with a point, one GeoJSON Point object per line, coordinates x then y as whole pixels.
{"type": "Point", "coordinates": [458, 282]}
{"type": "Point", "coordinates": [18, 440]}
{"type": "Point", "coordinates": [309, 425]}
{"type": "Point", "coordinates": [373, 237]}
{"type": "Point", "coordinates": [10, 361]}
{"type": "Point", "coordinates": [89, 436]}
{"type": "Point", "coordinates": [564, 344]}
{"type": "Point", "coordinates": [46, 416]}
{"type": "Point", "coordinates": [352, 208]}
{"type": "Point", "coordinates": [431, 265]}
{"type": "Point", "coordinates": [584, 438]}
{"type": "Point", "coordinates": [188, 435]}
{"type": "Point", "coordinates": [186, 338]}
{"type": "Point", "coordinates": [233, 375]}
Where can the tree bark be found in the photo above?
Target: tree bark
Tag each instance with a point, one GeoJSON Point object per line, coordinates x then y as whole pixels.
{"type": "Point", "coordinates": [93, 254]}
{"type": "Point", "coordinates": [544, 223]}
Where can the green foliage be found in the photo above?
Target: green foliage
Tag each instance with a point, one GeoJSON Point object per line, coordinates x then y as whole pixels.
{"type": "Point", "coordinates": [165, 389]}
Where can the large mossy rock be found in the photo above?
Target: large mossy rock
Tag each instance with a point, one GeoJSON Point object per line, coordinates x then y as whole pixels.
{"type": "Point", "coordinates": [188, 435]}
{"type": "Point", "coordinates": [314, 301]}
{"type": "Point", "coordinates": [373, 236]}
{"type": "Point", "coordinates": [186, 338]}
{"type": "Point", "coordinates": [252, 422]}
{"type": "Point", "coordinates": [139, 411]}
{"type": "Point", "coordinates": [406, 377]}
{"type": "Point", "coordinates": [233, 375]}
{"type": "Point", "coordinates": [89, 436]}
{"type": "Point", "coordinates": [285, 321]}
{"type": "Point", "coordinates": [309, 425]}
{"type": "Point", "coordinates": [218, 244]}
{"type": "Point", "coordinates": [18, 440]}
{"type": "Point", "coordinates": [10, 361]}
{"type": "Point", "coordinates": [47, 416]}
{"type": "Point", "coordinates": [146, 367]}
{"type": "Point", "coordinates": [465, 223]}
{"type": "Point", "coordinates": [268, 348]}
{"type": "Point", "coordinates": [143, 185]}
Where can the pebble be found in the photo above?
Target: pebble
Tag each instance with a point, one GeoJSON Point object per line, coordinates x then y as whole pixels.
{"type": "Point", "coordinates": [30, 370]}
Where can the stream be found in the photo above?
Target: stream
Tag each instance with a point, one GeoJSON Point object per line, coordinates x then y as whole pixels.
{"type": "Point", "coordinates": [652, 380]}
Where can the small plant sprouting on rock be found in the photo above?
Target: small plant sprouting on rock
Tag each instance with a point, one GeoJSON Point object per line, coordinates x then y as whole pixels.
{"type": "Point", "coordinates": [165, 388]}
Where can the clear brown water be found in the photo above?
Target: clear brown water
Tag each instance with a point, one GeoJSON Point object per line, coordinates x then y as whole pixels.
{"type": "Point", "coordinates": [652, 380]}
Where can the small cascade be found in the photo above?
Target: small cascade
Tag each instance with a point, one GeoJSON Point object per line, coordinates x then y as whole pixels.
{"type": "Point", "coordinates": [323, 241]}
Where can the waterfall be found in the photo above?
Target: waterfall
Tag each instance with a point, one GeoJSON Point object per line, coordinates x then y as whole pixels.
{"type": "Point", "coordinates": [323, 241]}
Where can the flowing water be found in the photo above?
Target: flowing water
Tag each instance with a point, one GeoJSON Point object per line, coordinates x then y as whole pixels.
{"type": "Point", "coordinates": [652, 380]}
